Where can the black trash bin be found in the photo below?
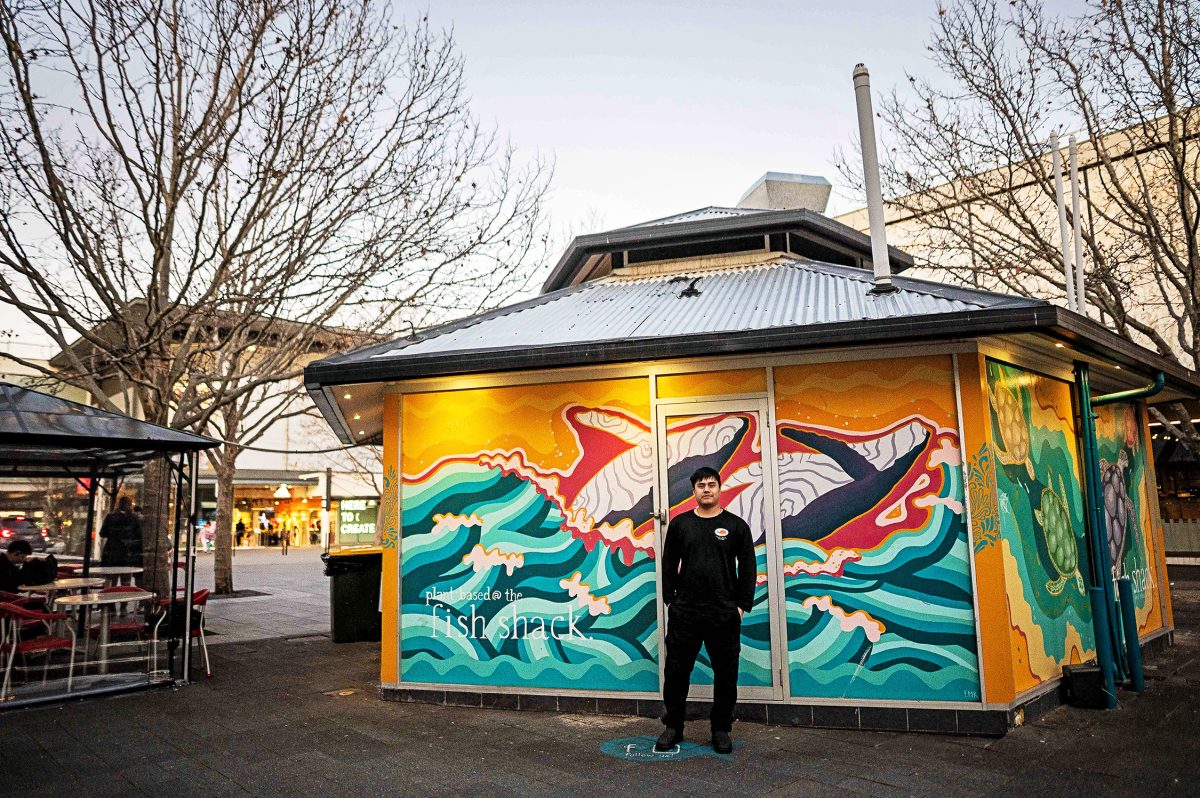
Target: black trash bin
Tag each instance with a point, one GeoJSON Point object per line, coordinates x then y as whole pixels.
{"type": "Point", "coordinates": [354, 593]}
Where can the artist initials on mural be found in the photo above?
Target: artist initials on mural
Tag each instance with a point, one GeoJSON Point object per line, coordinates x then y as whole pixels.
{"type": "Point", "coordinates": [510, 627]}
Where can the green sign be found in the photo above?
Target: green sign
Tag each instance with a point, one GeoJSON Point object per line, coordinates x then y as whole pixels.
{"type": "Point", "coordinates": [356, 520]}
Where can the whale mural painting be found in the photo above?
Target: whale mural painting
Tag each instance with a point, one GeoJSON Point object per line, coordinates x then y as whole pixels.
{"type": "Point", "coordinates": [875, 550]}
{"type": "Point", "coordinates": [527, 554]}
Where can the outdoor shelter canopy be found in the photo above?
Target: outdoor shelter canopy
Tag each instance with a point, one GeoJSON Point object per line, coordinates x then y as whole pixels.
{"type": "Point", "coordinates": [44, 435]}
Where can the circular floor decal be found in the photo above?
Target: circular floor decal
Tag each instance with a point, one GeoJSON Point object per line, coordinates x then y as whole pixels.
{"type": "Point", "coordinates": [641, 749]}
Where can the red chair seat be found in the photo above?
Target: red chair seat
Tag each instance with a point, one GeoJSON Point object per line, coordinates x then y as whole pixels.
{"type": "Point", "coordinates": [43, 643]}
{"type": "Point", "coordinates": [120, 628]}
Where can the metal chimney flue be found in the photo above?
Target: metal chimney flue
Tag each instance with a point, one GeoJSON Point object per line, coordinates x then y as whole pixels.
{"type": "Point", "coordinates": [870, 155]}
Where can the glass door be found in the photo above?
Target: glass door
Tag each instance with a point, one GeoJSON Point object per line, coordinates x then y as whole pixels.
{"type": "Point", "coordinates": [729, 437]}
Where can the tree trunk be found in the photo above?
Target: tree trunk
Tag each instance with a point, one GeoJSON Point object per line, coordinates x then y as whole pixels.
{"type": "Point", "coordinates": [223, 563]}
{"type": "Point", "coordinates": [158, 524]}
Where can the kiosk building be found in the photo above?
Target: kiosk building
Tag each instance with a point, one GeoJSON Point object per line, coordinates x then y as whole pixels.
{"type": "Point", "coordinates": [936, 511]}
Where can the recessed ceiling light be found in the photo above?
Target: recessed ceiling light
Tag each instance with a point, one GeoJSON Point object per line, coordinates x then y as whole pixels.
{"type": "Point", "coordinates": [357, 416]}
{"type": "Point", "coordinates": [1059, 346]}
{"type": "Point", "coordinates": [362, 432]}
{"type": "Point", "coordinates": [1118, 368]}
{"type": "Point", "coordinates": [345, 396]}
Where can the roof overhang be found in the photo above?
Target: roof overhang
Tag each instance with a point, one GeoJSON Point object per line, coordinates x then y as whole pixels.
{"type": "Point", "coordinates": [574, 260]}
{"type": "Point", "coordinates": [327, 381]}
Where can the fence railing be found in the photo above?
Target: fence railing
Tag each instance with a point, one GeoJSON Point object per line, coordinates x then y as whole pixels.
{"type": "Point", "coordinates": [1182, 538]}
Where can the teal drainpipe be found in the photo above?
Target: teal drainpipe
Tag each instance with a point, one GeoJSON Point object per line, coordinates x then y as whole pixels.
{"type": "Point", "coordinates": [1100, 583]}
{"type": "Point", "coordinates": [1160, 381]}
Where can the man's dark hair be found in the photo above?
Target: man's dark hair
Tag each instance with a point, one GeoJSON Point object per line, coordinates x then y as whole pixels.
{"type": "Point", "coordinates": [20, 547]}
{"type": "Point", "coordinates": [704, 472]}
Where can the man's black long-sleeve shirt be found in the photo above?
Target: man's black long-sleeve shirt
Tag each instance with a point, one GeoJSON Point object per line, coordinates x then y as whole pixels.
{"type": "Point", "coordinates": [709, 562]}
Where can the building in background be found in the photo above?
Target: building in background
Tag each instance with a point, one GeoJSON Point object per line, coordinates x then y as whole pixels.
{"type": "Point", "coordinates": [278, 488]}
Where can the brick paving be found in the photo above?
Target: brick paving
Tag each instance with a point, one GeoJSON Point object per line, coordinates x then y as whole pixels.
{"type": "Point", "coordinates": [296, 601]}
{"type": "Point", "coordinates": [273, 722]}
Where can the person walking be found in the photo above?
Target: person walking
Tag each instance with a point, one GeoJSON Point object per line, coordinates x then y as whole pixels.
{"type": "Point", "coordinates": [284, 537]}
{"type": "Point", "coordinates": [122, 534]}
{"type": "Point", "coordinates": [709, 572]}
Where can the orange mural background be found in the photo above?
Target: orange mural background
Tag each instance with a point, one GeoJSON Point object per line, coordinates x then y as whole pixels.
{"type": "Point", "coordinates": [714, 383]}
{"type": "Point", "coordinates": [527, 417]}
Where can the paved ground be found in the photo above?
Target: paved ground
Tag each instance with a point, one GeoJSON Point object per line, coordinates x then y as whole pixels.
{"type": "Point", "coordinates": [274, 721]}
{"type": "Point", "coordinates": [296, 604]}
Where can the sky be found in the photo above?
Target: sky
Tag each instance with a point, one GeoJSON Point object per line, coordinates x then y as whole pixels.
{"type": "Point", "coordinates": [654, 108]}
{"type": "Point", "coordinates": [657, 107]}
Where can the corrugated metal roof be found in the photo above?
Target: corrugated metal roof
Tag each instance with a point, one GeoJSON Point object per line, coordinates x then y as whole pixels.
{"type": "Point", "coordinates": [711, 212]}
{"type": "Point", "coordinates": [777, 294]}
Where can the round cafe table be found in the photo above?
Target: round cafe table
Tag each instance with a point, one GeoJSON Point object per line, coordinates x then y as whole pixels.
{"type": "Point", "coordinates": [116, 574]}
{"type": "Point", "coordinates": [105, 602]}
{"type": "Point", "coordinates": [69, 583]}
{"type": "Point", "coordinates": [52, 589]}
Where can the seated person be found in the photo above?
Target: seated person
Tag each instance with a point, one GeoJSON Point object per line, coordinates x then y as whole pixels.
{"type": "Point", "coordinates": [18, 568]}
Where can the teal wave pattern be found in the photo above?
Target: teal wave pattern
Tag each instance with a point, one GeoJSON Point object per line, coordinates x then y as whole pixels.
{"type": "Point", "coordinates": [916, 586]}
{"type": "Point", "coordinates": [463, 625]}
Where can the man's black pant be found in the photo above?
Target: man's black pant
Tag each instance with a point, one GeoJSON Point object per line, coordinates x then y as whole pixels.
{"type": "Point", "coordinates": [721, 633]}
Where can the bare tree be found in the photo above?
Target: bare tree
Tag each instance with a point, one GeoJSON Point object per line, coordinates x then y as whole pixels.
{"type": "Point", "coordinates": [969, 168]}
{"type": "Point", "coordinates": [192, 194]}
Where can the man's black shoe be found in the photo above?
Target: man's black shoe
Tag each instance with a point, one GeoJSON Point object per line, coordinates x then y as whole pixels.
{"type": "Point", "coordinates": [668, 739]}
{"type": "Point", "coordinates": [722, 743]}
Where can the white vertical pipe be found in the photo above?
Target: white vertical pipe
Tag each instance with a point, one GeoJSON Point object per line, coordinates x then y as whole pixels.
{"type": "Point", "coordinates": [866, 133]}
{"type": "Point", "coordinates": [1056, 165]}
{"type": "Point", "coordinates": [1077, 232]}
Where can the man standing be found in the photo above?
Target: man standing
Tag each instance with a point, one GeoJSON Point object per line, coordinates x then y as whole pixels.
{"type": "Point", "coordinates": [709, 574]}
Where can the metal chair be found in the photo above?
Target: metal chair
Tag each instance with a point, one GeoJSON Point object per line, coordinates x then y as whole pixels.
{"type": "Point", "coordinates": [199, 600]}
{"type": "Point", "coordinates": [12, 618]}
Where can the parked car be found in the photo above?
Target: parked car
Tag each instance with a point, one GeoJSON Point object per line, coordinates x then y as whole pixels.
{"type": "Point", "coordinates": [15, 527]}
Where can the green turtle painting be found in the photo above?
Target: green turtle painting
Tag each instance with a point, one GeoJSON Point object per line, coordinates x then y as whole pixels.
{"type": "Point", "coordinates": [1014, 430]}
{"type": "Point", "coordinates": [1055, 521]}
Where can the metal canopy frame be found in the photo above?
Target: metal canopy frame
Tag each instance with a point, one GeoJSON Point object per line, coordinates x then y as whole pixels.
{"type": "Point", "coordinates": [50, 437]}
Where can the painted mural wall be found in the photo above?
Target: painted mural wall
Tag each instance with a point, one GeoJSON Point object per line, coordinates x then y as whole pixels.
{"type": "Point", "coordinates": [527, 545]}
{"type": "Point", "coordinates": [876, 558]}
{"type": "Point", "coordinates": [1125, 480]}
{"type": "Point", "coordinates": [1040, 529]}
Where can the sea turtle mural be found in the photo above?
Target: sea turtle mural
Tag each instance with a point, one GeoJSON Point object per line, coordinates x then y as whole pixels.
{"type": "Point", "coordinates": [1014, 428]}
{"type": "Point", "coordinates": [1118, 508]}
{"type": "Point", "coordinates": [1055, 522]}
